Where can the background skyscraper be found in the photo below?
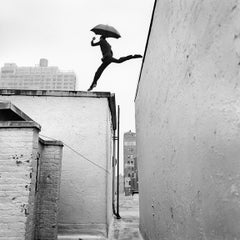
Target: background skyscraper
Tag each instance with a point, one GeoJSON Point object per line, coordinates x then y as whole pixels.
{"type": "Point", "coordinates": [41, 77]}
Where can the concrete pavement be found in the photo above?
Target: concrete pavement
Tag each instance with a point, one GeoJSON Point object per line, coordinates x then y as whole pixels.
{"type": "Point", "coordinates": [127, 228]}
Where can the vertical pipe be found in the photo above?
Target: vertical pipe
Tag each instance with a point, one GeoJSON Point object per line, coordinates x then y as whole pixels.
{"type": "Point", "coordinates": [118, 138]}
{"type": "Point", "coordinates": [113, 172]}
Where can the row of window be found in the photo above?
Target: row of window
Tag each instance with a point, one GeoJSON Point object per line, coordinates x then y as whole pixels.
{"type": "Point", "coordinates": [49, 86]}
{"type": "Point", "coordinates": [129, 143]}
{"type": "Point", "coordinates": [130, 162]}
{"type": "Point", "coordinates": [130, 156]}
{"type": "Point", "coordinates": [50, 77]}
{"type": "Point", "coordinates": [133, 175]}
{"type": "Point", "coordinates": [130, 168]}
{"type": "Point", "coordinates": [30, 81]}
{"type": "Point", "coordinates": [36, 81]}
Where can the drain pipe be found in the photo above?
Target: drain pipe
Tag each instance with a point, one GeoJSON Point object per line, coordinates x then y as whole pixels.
{"type": "Point", "coordinates": [118, 137]}
{"type": "Point", "coordinates": [113, 172]}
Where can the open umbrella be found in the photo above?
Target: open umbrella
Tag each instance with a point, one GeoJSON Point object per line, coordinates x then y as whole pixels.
{"type": "Point", "coordinates": [106, 31]}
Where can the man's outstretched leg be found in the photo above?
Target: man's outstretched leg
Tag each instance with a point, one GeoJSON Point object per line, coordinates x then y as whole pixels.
{"type": "Point", "coordinates": [98, 74]}
{"type": "Point", "coordinates": [123, 59]}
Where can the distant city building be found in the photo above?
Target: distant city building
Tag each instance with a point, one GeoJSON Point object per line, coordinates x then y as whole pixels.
{"type": "Point", "coordinates": [130, 163]}
{"type": "Point", "coordinates": [40, 77]}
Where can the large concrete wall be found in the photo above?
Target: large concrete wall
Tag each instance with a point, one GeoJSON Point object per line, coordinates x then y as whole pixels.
{"type": "Point", "coordinates": [188, 122]}
{"type": "Point", "coordinates": [84, 125]}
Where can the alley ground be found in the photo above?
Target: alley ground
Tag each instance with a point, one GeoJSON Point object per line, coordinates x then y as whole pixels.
{"type": "Point", "coordinates": [126, 228]}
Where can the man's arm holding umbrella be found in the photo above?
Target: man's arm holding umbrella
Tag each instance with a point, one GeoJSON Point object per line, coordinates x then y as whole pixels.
{"type": "Point", "coordinates": [94, 44]}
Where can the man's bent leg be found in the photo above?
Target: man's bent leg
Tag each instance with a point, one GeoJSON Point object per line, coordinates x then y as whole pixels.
{"type": "Point", "coordinates": [98, 74]}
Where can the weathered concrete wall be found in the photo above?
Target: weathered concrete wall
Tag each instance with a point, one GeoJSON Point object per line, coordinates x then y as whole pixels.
{"type": "Point", "coordinates": [18, 154]}
{"type": "Point", "coordinates": [187, 121]}
{"type": "Point", "coordinates": [48, 189]}
{"type": "Point", "coordinates": [84, 125]}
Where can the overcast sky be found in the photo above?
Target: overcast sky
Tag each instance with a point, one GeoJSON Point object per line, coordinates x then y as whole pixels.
{"type": "Point", "coordinates": [59, 30]}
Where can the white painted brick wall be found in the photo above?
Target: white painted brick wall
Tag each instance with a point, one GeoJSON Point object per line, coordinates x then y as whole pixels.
{"type": "Point", "coordinates": [17, 182]}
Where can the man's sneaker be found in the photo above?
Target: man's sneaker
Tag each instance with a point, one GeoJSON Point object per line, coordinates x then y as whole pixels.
{"type": "Point", "coordinates": [137, 56]}
{"type": "Point", "coordinates": [93, 86]}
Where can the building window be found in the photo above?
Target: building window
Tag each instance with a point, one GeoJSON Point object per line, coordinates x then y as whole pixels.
{"type": "Point", "coordinates": [130, 144]}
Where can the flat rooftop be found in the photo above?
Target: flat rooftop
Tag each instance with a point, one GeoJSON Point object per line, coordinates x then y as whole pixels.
{"type": "Point", "coordinates": [53, 93]}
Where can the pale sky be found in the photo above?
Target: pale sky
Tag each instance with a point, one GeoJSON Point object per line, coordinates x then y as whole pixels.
{"type": "Point", "coordinates": [59, 30]}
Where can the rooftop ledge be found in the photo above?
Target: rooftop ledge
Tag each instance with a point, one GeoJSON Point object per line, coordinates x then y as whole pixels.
{"type": "Point", "coordinates": [7, 105]}
{"type": "Point", "coordinates": [51, 142]}
{"type": "Point", "coordinates": [53, 93]}
{"type": "Point", "coordinates": [19, 124]}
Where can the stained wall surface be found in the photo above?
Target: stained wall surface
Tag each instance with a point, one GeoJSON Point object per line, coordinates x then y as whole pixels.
{"type": "Point", "coordinates": [188, 122]}
{"type": "Point", "coordinates": [83, 124]}
{"type": "Point", "coordinates": [48, 188]}
{"type": "Point", "coordinates": [18, 166]}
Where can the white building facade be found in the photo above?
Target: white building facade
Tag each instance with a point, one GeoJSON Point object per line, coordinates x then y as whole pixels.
{"type": "Point", "coordinates": [42, 77]}
{"type": "Point", "coordinates": [84, 121]}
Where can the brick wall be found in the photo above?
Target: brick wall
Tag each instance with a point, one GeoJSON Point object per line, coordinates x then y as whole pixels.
{"type": "Point", "coordinates": [18, 153]}
{"type": "Point", "coordinates": [50, 153]}
{"type": "Point", "coordinates": [29, 183]}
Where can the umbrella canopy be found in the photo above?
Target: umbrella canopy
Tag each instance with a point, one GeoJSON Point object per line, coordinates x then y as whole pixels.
{"type": "Point", "coordinates": [106, 31]}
